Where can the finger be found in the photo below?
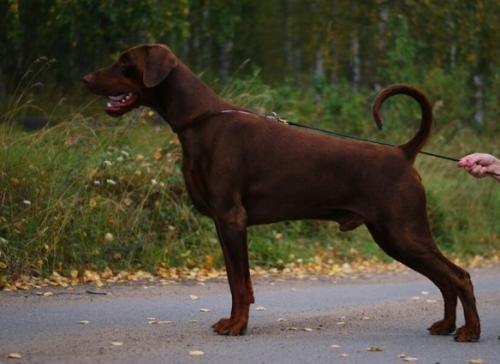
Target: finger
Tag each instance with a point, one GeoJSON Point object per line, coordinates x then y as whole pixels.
{"type": "Point", "coordinates": [465, 162]}
{"type": "Point", "coordinates": [478, 171]}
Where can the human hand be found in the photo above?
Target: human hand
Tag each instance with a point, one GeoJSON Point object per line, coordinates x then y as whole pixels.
{"type": "Point", "coordinates": [481, 164]}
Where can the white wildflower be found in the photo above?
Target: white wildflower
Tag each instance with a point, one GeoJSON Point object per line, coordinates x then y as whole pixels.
{"type": "Point", "coordinates": [107, 163]}
{"type": "Point", "coordinates": [110, 182]}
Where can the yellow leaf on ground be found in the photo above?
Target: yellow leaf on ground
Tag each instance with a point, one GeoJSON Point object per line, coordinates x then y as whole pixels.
{"type": "Point", "coordinates": [410, 359]}
{"type": "Point", "coordinates": [196, 353]}
{"type": "Point", "coordinates": [14, 356]}
{"type": "Point", "coordinates": [157, 154]}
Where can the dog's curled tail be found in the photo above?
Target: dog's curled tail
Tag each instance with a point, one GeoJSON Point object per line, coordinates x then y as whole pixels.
{"type": "Point", "coordinates": [412, 147]}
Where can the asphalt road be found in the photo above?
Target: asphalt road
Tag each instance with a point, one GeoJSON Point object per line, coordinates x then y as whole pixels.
{"type": "Point", "coordinates": [378, 311]}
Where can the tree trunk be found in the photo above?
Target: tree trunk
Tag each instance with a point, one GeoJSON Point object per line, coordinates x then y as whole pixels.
{"type": "Point", "coordinates": [356, 61]}
{"type": "Point", "coordinates": [2, 86]}
{"type": "Point", "coordinates": [479, 100]}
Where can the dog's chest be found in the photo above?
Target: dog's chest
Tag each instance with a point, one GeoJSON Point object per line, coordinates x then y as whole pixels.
{"type": "Point", "coordinates": [196, 187]}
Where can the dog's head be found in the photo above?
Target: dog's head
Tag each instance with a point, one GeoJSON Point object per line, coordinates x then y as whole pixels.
{"type": "Point", "coordinates": [129, 82]}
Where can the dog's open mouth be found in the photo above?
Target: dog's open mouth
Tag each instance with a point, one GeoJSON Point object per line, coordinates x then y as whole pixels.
{"type": "Point", "coordinates": [121, 103]}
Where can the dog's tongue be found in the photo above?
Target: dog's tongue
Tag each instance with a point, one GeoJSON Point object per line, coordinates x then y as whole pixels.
{"type": "Point", "coordinates": [116, 97]}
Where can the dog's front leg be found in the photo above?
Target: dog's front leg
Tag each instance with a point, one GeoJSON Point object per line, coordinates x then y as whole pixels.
{"type": "Point", "coordinates": [232, 232]}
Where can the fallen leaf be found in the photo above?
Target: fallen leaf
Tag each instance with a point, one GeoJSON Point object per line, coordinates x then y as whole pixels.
{"type": "Point", "coordinates": [335, 346]}
{"type": "Point", "coordinates": [373, 349]}
{"type": "Point", "coordinates": [410, 359]}
{"type": "Point", "coordinates": [365, 318]}
{"type": "Point", "coordinates": [89, 291]}
{"type": "Point", "coordinates": [340, 323]}
{"type": "Point", "coordinates": [205, 310]}
{"type": "Point", "coordinates": [194, 297]}
{"type": "Point", "coordinates": [308, 329]}
{"type": "Point", "coordinates": [343, 355]}
{"type": "Point", "coordinates": [260, 308]}
{"type": "Point", "coordinates": [196, 353]}
{"type": "Point", "coordinates": [476, 361]}
{"type": "Point", "coordinates": [401, 356]}
{"type": "Point", "coordinates": [281, 319]}
{"type": "Point", "coordinates": [116, 343]}
{"type": "Point", "coordinates": [430, 301]}
{"type": "Point", "coordinates": [157, 154]}
{"type": "Point", "coordinates": [158, 322]}
{"type": "Point", "coordinates": [14, 356]}
{"type": "Point", "coordinates": [415, 298]}
{"type": "Point", "coordinates": [83, 322]}
{"type": "Point", "coordinates": [425, 293]}
{"type": "Point", "coordinates": [292, 328]}
{"type": "Point", "coordinates": [48, 294]}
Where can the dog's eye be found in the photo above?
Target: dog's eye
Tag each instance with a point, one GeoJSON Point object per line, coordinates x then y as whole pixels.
{"type": "Point", "coordinates": [127, 70]}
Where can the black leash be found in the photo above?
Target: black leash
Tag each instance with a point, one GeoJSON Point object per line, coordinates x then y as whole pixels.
{"type": "Point", "coordinates": [346, 136]}
{"type": "Point", "coordinates": [275, 116]}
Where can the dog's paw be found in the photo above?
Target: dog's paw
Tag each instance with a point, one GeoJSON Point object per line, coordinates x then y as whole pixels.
{"type": "Point", "coordinates": [442, 327]}
{"type": "Point", "coordinates": [467, 334]}
{"type": "Point", "coordinates": [230, 327]}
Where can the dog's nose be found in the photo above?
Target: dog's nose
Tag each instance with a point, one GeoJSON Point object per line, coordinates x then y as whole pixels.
{"type": "Point", "coordinates": [88, 79]}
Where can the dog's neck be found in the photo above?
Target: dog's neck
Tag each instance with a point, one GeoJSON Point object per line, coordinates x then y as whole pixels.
{"type": "Point", "coordinates": [184, 97]}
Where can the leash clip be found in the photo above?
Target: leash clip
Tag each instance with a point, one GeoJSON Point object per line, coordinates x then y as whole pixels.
{"type": "Point", "coordinates": [276, 117]}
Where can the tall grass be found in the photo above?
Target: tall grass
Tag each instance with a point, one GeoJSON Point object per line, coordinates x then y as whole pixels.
{"type": "Point", "coordinates": [89, 193]}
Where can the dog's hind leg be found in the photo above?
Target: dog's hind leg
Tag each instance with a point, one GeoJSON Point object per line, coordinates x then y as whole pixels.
{"type": "Point", "coordinates": [411, 243]}
{"type": "Point", "coordinates": [232, 232]}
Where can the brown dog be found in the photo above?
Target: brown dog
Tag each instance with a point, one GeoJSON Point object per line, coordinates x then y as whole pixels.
{"type": "Point", "coordinates": [242, 169]}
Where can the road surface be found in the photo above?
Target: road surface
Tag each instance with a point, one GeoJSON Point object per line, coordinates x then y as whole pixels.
{"type": "Point", "coordinates": [293, 321]}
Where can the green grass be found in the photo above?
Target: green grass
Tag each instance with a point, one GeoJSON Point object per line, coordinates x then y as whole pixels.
{"type": "Point", "coordinates": [92, 193]}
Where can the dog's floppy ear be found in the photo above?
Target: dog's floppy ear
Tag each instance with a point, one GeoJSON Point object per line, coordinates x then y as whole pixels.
{"type": "Point", "coordinates": [158, 63]}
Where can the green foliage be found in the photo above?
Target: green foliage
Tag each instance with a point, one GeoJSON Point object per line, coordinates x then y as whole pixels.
{"type": "Point", "coordinates": [364, 45]}
{"type": "Point", "coordinates": [94, 194]}
{"type": "Point", "coordinates": [400, 66]}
